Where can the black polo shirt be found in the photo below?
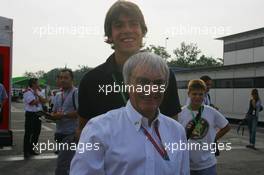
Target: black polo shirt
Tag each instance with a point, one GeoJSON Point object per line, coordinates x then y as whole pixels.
{"type": "Point", "coordinates": [93, 103]}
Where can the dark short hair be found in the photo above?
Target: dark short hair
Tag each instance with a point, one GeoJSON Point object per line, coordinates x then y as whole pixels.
{"type": "Point", "coordinates": [32, 81]}
{"type": "Point", "coordinates": [69, 71]}
{"type": "Point", "coordinates": [205, 78]}
{"type": "Point", "coordinates": [123, 8]}
{"type": "Point", "coordinates": [196, 85]}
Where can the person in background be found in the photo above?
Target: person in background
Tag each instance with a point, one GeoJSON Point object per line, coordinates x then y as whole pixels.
{"type": "Point", "coordinates": [64, 112]}
{"type": "Point", "coordinates": [203, 124]}
{"type": "Point", "coordinates": [3, 96]}
{"type": "Point", "coordinates": [33, 103]}
{"type": "Point", "coordinates": [252, 115]}
{"type": "Point", "coordinates": [208, 82]}
{"type": "Point", "coordinates": [207, 98]}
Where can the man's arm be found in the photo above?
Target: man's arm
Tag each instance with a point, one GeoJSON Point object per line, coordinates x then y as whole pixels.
{"type": "Point", "coordinates": [42, 99]}
{"type": "Point", "coordinates": [86, 92]}
{"type": "Point", "coordinates": [73, 114]}
{"type": "Point", "coordinates": [222, 131]}
{"type": "Point", "coordinates": [30, 99]}
{"type": "Point", "coordinates": [222, 123]}
{"type": "Point", "coordinates": [82, 123]}
{"type": "Point", "coordinates": [171, 103]}
{"type": "Point", "coordinates": [85, 161]}
{"type": "Point", "coordinates": [34, 102]}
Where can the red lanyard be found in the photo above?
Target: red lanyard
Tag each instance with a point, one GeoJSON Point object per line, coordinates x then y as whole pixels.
{"type": "Point", "coordinates": [64, 98]}
{"type": "Point", "coordinates": [162, 150]}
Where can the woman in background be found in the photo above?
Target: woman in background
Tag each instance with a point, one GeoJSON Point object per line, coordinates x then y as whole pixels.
{"type": "Point", "coordinates": [252, 114]}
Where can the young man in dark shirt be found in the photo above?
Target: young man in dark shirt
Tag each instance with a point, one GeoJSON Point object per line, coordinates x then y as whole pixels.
{"type": "Point", "coordinates": [124, 30]}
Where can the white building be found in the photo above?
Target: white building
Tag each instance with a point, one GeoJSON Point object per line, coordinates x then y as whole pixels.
{"type": "Point", "coordinates": [242, 71]}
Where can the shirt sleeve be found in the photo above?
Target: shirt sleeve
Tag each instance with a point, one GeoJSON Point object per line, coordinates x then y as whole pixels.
{"type": "Point", "coordinates": [171, 103]}
{"type": "Point", "coordinates": [258, 104]}
{"type": "Point", "coordinates": [29, 97]}
{"type": "Point", "coordinates": [3, 94]}
{"type": "Point", "coordinates": [220, 120]}
{"type": "Point", "coordinates": [258, 107]}
{"type": "Point", "coordinates": [87, 162]}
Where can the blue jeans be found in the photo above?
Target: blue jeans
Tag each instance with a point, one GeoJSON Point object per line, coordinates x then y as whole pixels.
{"type": "Point", "coordinates": [252, 127]}
{"type": "Point", "coordinates": [208, 171]}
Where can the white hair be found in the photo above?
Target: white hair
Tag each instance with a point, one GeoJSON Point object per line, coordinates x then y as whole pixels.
{"type": "Point", "coordinates": [149, 61]}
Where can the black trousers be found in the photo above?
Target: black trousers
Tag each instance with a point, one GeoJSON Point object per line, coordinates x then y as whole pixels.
{"type": "Point", "coordinates": [32, 131]}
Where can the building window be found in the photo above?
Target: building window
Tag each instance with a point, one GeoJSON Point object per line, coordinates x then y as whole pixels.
{"type": "Point", "coordinates": [223, 83]}
{"type": "Point", "coordinates": [258, 42]}
{"type": "Point", "coordinates": [244, 83]}
{"type": "Point", "coordinates": [259, 82]}
{"type": "Point", "coordinates": [253, 82]}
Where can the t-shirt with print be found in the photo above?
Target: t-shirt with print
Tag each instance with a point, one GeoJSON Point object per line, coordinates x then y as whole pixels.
{"type": "Point", "coordinates": [203, 134]}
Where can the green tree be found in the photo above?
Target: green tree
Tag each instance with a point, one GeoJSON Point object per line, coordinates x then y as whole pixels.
{"type": "Point", "coordinates": [208, 62]}
{"type": "Point", "coordinates": [79, 73]}
{"type": "Point", "coordinates": [159, 50]}
{"type": "Point", "coordinates": [188, 55]}
{"type": "Point", "coordinates": [51, 77]}
{"type": "Point", "coordinates": [38, 74]}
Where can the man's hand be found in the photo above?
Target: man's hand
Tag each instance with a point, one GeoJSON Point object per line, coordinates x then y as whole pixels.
{"type": "Point", "coordinates": [56, 115]}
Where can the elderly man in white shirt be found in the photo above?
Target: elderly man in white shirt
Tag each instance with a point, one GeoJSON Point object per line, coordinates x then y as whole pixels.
{"type": "Point", "coordinates": [136, 139]}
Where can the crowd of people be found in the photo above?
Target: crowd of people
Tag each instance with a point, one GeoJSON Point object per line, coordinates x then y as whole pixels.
{"type": "Point", "coordinates": [134, 130]}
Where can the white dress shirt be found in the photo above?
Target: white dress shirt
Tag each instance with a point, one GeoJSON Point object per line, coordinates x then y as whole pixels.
{"type": "Point", "coordinates": [28, 97]}
{"type": "Point", "coordinates": [125, 150]}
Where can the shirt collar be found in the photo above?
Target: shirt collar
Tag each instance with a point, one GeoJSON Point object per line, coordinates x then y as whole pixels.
{"type": "Point", "coordinates": [68, 90]}
{"type": "Point", "coordinates": [137, 119]}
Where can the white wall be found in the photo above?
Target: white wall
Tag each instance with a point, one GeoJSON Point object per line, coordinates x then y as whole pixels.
{"type": "Point", "coordinates": [258, 54]}
{"type": "Point", "coordinates": [244, 56]}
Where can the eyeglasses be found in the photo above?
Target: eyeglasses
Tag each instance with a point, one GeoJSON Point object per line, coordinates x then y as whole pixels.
{"type": "Point", "coordinates": [145, 81]}
{"type": "Point", "coordinates": [197, 94]}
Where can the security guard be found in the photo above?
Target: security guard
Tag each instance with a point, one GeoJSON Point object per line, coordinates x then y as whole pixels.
{"type": "Point", "coordinates": [33, 103]}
